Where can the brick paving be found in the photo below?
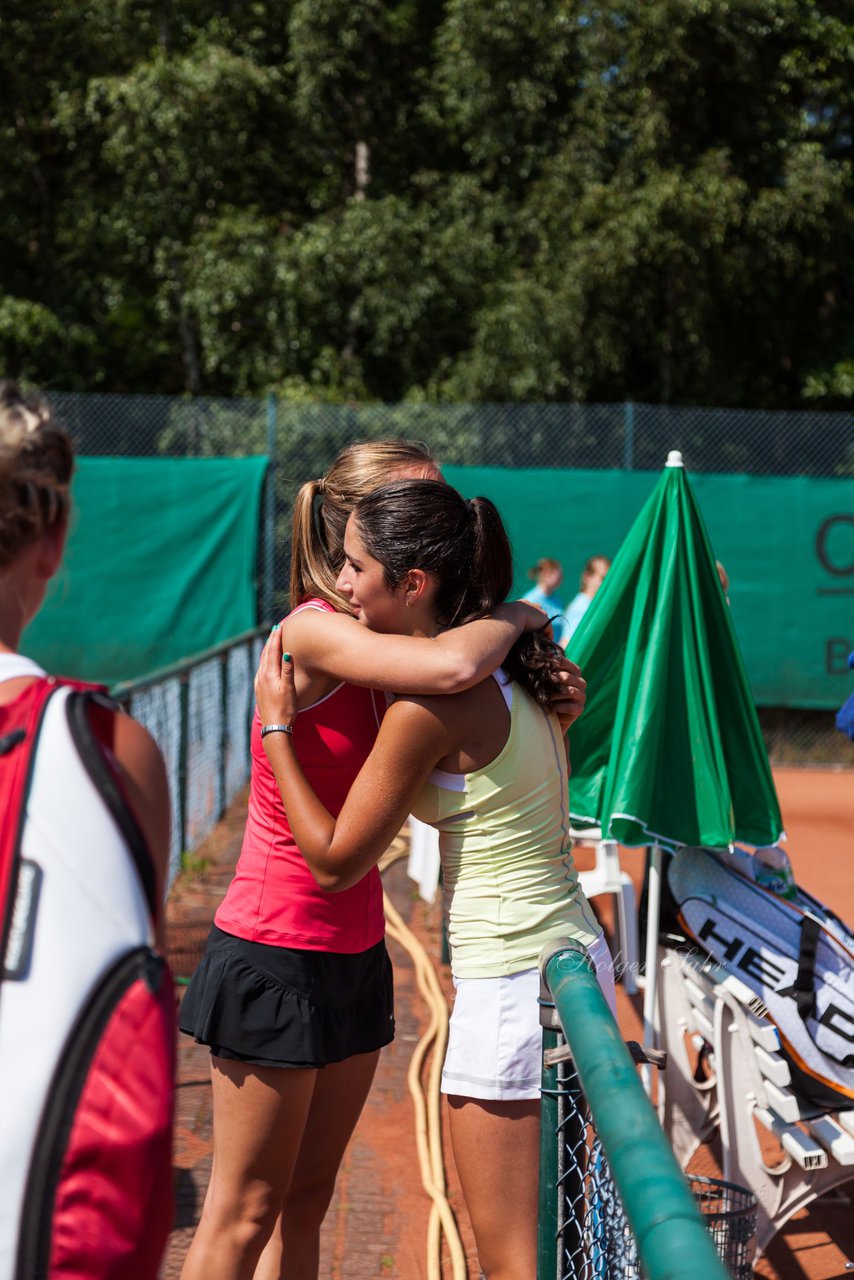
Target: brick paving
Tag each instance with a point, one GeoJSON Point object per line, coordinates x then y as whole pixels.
{"type": "Point", "coordinates": [377, 1224]}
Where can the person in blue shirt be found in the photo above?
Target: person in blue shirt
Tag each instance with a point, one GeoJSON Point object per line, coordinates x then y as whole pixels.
{"type": "Point", "coordinates": [845, 716]}
{"type": "Point", "coordinates": [592, 577]}
{"type": "Point", "coordinates": [548, 575]}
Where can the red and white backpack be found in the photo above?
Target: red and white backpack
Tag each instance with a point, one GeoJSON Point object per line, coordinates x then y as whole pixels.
{"type": "Point", "coordinates": [87, 1010]}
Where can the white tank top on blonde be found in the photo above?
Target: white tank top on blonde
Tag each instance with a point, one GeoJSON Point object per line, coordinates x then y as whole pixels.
{"type": "Point", "coordinates": [14, 666]}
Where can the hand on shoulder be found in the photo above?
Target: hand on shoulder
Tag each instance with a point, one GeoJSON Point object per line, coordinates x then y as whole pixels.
{"type": "Point", "coordinates": [275, 689]}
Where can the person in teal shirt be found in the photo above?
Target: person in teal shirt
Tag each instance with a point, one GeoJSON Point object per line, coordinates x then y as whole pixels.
{"type": "Point", "coordinates": [548, 575]}
{"type": "Point", "coordinates": [592, 578]}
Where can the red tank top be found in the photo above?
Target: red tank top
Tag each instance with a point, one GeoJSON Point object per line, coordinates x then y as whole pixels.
{"type": "Point", "coordinates": [273, 897]}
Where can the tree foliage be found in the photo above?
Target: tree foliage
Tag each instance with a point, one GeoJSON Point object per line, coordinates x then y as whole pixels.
{"type": "Point", "coordinates": [376, 200]}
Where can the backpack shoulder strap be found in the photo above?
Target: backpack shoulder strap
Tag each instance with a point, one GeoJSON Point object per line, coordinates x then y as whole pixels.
{"type": "Point", "coordinates": [91, 718]}
{"type": "Point", "coordinates": [20, 723]}
{"type": "Point", "coordinates": [90, 715]}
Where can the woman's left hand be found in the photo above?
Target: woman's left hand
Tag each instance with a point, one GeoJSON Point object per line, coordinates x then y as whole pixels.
{"type": "Point", "coordinates": [275, 692]}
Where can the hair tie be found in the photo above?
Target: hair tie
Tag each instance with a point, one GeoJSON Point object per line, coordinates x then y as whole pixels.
{"type": "Point", "coordinates": [316, 511]}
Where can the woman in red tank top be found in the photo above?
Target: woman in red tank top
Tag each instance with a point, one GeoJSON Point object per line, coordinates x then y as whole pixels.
{"type": "Point", "coordinates": [294, 995]}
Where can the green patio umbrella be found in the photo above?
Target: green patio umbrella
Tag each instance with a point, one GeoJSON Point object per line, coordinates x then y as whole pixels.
{"type": "Point", "coordinates": [669, 751]}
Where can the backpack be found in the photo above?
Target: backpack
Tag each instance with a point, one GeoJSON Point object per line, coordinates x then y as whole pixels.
{"type": "Point", "coordinates": [796, 957]}
{"type": "Point", "coordinates": [87, 1008]}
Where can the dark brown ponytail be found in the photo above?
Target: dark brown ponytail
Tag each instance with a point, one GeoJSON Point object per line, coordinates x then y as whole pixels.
{"type": "Point", "coordinates": [423, 524]}
{"type": "Point", "coordinates": [532, 663]}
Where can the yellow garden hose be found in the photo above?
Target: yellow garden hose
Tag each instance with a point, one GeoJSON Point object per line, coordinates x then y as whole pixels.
{"type": "Point", "coordinates": [428, 1122]}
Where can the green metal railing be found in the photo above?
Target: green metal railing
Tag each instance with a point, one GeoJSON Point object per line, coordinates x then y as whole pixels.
{"type": "Point", "coordinates": [199, 712]}
{"type": "Point", "coordinates": [612, 1197]}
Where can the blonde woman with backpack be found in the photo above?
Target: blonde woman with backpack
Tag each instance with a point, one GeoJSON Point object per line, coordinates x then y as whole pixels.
{"type": "Point", "coordinates": [87, 1034]}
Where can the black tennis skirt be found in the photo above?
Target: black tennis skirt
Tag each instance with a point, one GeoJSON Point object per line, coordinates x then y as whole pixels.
{"type": "Point", "coordinates": [280, 1007]}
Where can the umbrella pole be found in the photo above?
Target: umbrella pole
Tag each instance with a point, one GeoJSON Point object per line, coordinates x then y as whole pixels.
{"type": "Point", "coordinates": [653, 915]}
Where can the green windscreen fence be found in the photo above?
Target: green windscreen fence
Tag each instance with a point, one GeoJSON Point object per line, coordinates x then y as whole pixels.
{"type": "Point", "coordinates": [160, 565]}
{"type": "Point", "coordinates": [787, 544]}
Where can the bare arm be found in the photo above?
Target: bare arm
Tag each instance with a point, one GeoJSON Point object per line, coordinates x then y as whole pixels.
{"type": "Point", "coordinates": [144, 775]}
{"type": "Point", "coordinates": [339, 852]}
{"type": "Point", "coordinates": [337, 645]}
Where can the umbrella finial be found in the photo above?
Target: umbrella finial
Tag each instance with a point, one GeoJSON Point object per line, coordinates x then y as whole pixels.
{"type": "Point", "coordinates": [674, 459]}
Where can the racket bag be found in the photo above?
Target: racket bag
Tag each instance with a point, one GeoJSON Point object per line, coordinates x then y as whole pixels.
{"type": "Point", "coordinates": [87, 1010]}
{"type": "Point", "coordinates": [795, 955]}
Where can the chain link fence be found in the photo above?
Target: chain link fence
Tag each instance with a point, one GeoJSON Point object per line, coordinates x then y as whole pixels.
{"type": "Point", "coordinates": [302, 440]}
{"type": "Point", "coordinates": [593, 1239]}
{"type": "Point", "coordinates": [613, 1203]}
{"type": "Point", "coordinates": [200, 713]}
{"type": "Point", "coordinates": [632, 436]}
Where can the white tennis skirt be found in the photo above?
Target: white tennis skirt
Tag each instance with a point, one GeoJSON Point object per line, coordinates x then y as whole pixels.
{"type": "Point", "coordinates": [495, 1041]}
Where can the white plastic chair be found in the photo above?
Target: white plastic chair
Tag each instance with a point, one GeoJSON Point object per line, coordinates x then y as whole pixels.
{"type": "Point", "coordinates": [425, 862]}
{"type": "Point", "coordinates": [607, 876]}
{"type": "Point", "coordinates": [748, 1084]}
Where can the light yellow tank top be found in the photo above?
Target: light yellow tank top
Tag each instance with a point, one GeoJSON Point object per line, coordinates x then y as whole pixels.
{"type": "Point", "coordinates": [509, 881]}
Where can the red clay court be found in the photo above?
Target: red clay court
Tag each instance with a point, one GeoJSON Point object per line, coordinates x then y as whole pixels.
{"type": "Point", "coordinates": [377, 1226]}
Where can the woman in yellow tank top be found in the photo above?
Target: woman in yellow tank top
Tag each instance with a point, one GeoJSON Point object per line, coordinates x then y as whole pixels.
{"type": "Point", "coordinates": [488, 768]}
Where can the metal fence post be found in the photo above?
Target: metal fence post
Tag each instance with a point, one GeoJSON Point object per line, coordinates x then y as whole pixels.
{"type": "Point", "coordinates": [269, 514]}
{"type": "Point", "coordinates": [628, 436]}
{"type": "Point", "coordinates": [547, 1226]}
{"type": "Point", "coordinates": [250, 691]}
{"type": "Point", "coordinates": [223, 733]}
{"type": "Point", "coordinates": [184, 733]}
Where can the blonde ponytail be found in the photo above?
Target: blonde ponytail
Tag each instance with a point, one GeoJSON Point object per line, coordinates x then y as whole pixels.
{"type": "Point", "coordinates": [313, 570]}
{"type": "Point", "coordinates": [322, 509]}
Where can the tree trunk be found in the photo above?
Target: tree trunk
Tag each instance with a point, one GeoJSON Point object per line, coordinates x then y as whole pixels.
{"type": "Point", "coordinates": [189, 333]}
{"type": "Point", "coordinates": [362, 176]}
